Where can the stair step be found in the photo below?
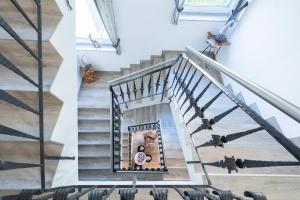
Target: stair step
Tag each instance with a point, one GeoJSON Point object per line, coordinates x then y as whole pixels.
{"type": "Point", "coordinates": [157, 59]}
{"type": "Point", "coordinates": [25, 121]}
{"type": "Point", "coordinates": [94, 130]}
{"type": "Point", "coordinates": [51, 16]}
{"type": "Point", "coordinates": [126, 71]}
{"type": "Point", "coordinates": [28, 65]}
{"type": "Point", "coordinates": [93, 138]}
{"type": "Point", "coordinates": [89, 104]}
{"type": "Point", "coordinates": [93, 114]}
{"type": "Point", "coordinates": [135, 67]}
{"type": "Point", "coordinates": [146, 63]}
{"type": "Point", "coordinates": [94, 163]}
{"type": "Point", "coordinates": [93, 123]}
{"type": "Point", "coordinates": [27, 152]}
{"type": "Point", "coordinates": [93, 150]}
{"type": "Point", "coordinates": [169, 54]}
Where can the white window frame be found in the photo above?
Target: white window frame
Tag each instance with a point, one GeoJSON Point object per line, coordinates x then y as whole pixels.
{"type": "Point", "coordinates": [85, 44]}
{"type": "Point", "coordinates": [207, 13]}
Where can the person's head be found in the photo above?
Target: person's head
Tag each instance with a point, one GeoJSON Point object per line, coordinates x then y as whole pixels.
{"type": "Point", "coordinates": [148, 158]}
{"type": "Point", "coordinates": [141, 148]}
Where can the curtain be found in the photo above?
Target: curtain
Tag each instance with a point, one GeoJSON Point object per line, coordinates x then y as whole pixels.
{"type": "Point", "coordinates": [179, 4]}
{"type": "Point", "coordinates": [106, 12]}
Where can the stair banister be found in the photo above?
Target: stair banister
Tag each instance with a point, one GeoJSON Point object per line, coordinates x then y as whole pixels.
{"type": "Point", "coordinates": [277, 135]}
{"type": "Point", "coordinates": [283, 105]}
{"type": "Point", "coordinates": [142, 72]}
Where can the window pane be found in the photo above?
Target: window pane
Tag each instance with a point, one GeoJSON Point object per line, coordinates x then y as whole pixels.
{"type": "Point", "coordinates": [208, 2]}
{"type": "Point", "coordinates": [88, 20]}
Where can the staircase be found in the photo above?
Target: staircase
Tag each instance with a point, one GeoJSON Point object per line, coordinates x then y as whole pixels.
{"type": "Point", "coordinates": [94, 149]}
{"type": "Point", "coordinates": [14, 148]}
{"type": "Point", "coordinates": [94, 118]}
{"type": "Point", "coordinates": [203, 111]}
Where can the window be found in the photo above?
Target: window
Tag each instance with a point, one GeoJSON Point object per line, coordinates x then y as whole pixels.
{"type": "Point", "coordinates": [90, 27]}
{"type": "Point", "coordinates": [215, 10]}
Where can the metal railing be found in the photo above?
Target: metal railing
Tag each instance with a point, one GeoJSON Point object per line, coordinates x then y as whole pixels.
{"type": "Point", "coordinates": [278, 102]}
{"type": "Point", "coordinates": [128, 192]}
{"type": "Point", "coordinates": [187, 83]}
{"type": "Point", "coordinates": [143, 84]}
{"type": "Point", "coordinates": [5, 96]}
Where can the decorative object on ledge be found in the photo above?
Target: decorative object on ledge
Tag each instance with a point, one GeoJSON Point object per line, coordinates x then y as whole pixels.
{"type": "Point", "coordinates": [216, 41]}
{"type": "Point", "coordinates": [95, 43]}
{"type": "Point", "coordinates": [88, 73]}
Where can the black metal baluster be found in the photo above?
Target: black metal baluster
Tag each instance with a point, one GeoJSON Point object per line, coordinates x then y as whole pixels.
{"type": "Point", "coordinates": [224, 114]}
{"type": "Point", "coordinates": [41, 91]}
{"type": "Point", "coordinates": [200, 111]}
{"type": "Point", "coordinates": [13, 34]}
{"type": "Point", "coordinates": [176, 73]}
{"type": "Point", "coordinates": [12, 132]}
{"type": "Point", "coordinates": [128, 91]}
{"type": "Point", "coordinates": [186, 87]}
{"type": "Point", "coordinates": [211, 101]}
{"type": "Point", "coordinates": [4, 96]}
{"type": "Point", "coordinates": [261, 163]}
{"type": "Point", "coordinates": [121, 93]}
{"type": "Point", "coordinates": [134, 89]}
{"type": "Point", "coordinates": [142, 87]}
{"type": "Point", "coordinates": [233, 164]}
{"type": "Point", "coordinates": [218, 141]}
{"type": "Point", "coordinates": [183, 81]}
{"type": "Point", "coordinates": [21, 10]}
{"type": "Point", "coordinates": [190, 93]}
{"type": "Point", "coordinates": [165, 84]}
{"type": "Point", "coordinates": [255, 195]}
{"type": "Point", "coordinates": [114, 95]}
{"type": "Point", "coordinates": [5, 62]}
{"type": "Point", "coordinates": [181, 74]}
{"type": "Point", "coordinates": [7, 165]}
{"type": "Point", "coordinates": [150, 84]}
{"type": "Point", "coordinates": [207, 123]}
{"type": "Point", "coordinates": [194, 103]}
{"type": "Point", "coordinates": [81, 193]}
{"type": "Point", "coordinates": [47, 157]}
{"type": "Point", "coordinates": [157, 84]}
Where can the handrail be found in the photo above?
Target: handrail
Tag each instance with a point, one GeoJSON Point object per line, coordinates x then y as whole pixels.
{"type": "Point", "coordinates": [143, 71]}
{"type": "Point", "coordinates": [278, 102]}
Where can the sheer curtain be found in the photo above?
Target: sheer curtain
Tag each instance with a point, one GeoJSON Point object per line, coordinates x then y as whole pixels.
{"type": "Point", "coordinates": [106, 12]}
{"type": "Point", "coordinates": [179, 4]}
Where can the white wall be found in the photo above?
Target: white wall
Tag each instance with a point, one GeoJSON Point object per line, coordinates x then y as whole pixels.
{"type": "Point", "coordinates": [65, 87]}
{"type": "Point", "coordinates": [145, 29]}
{"type": "Point", "coordinates": [265, 49]}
